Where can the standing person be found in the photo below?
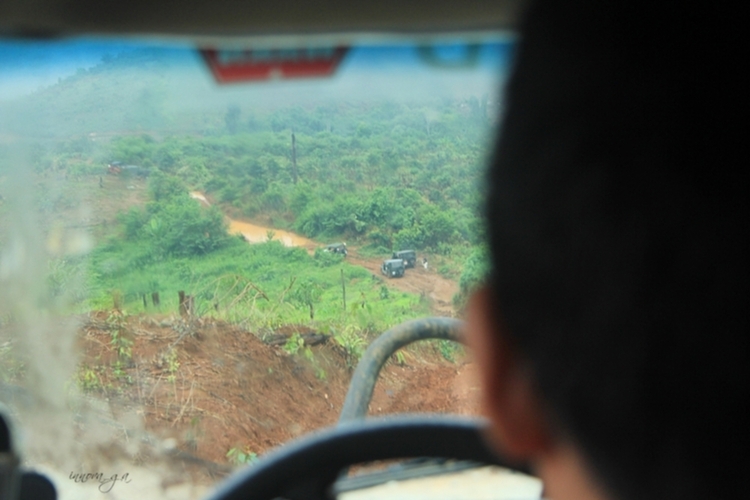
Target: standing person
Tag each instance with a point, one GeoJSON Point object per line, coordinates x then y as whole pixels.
{"type": "Point", "coordinates": [611, 337]}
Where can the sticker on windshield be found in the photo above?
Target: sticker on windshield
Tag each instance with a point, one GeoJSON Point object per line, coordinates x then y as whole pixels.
{"type": "Point", "coordinates": [230, 66]}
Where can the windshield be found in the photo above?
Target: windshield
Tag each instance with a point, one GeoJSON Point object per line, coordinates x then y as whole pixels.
{"type": "Point", "coordinates": [168, 311]}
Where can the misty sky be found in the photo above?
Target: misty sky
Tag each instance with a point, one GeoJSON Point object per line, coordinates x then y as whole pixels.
{"type": "Point", "coordinates": [368, 70]}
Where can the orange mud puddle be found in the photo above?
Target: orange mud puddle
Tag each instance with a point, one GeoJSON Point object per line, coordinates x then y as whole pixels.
{"type": "Point", "coordinates": [258, 234]}
{"type": "Point", "coordinates": [253, 233]}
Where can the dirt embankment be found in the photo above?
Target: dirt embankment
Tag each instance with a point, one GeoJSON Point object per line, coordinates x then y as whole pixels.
{"type": "Point", "coordinates": [212, 386]}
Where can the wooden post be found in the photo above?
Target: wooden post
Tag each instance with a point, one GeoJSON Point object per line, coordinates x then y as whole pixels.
{"type": "Point", "coordinates": [145, 303]}
{"type": "Point", "coordinates": [183, 305]}
{"type": "Point", "coordinates": [187, 304]}
{"type": "Point", "coordinates": [155, 298]}
{"type": "Point", "coordinates": [343, 288]}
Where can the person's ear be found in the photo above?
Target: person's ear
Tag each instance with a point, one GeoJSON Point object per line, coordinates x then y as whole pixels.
{"type": "Point", "coordinates": [518, 425]}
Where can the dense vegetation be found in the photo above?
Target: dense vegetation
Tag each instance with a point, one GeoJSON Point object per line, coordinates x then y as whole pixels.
{"type": "Point", "coordinates": [384, 176]}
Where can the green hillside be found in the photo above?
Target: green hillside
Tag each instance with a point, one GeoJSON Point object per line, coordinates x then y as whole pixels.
{"type": "Point", "coordinates": [384, 174]}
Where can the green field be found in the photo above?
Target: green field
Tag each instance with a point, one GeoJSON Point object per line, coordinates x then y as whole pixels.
{"type": "Point", "coordinates": [260, 285]}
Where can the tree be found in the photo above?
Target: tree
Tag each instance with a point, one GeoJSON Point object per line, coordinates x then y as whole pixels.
{"type": "Point", "coordinates": [162, 187]}
{"type": "Point", "coordinates": [474, 273]}
{"type": "Point", "coordinates": [189, 229]}
{"type": "Point", "coordinates": [307, 294]}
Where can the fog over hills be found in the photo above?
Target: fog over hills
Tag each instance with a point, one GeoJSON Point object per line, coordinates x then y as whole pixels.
{"type": "Point", "coordinates": [170, 91]}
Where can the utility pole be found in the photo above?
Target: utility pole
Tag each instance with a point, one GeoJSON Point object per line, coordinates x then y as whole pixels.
{"type": "Point", "coordinates": [343, 289]}
{"type": "Point", "coordinates": [294, 158]}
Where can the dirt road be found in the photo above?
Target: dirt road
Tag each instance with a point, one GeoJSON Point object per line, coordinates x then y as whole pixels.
{"type": "Point", "coordinates": [428, 282]}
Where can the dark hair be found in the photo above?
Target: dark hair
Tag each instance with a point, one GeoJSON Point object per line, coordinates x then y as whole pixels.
{"type": "Point", "coordinates": [617, 232]}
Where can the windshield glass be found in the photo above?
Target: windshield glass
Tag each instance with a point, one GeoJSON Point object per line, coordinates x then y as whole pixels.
{"type": "Point", "coordinates": [168, 311]}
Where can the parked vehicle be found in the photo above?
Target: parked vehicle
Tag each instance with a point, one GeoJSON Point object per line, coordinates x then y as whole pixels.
{"type": "Point", "coordinates": [393, 268]}
{"type": "Point", "coordinates": [408, 256]}
{"type": "Point", "coordinates": [337, 248]}
{"type": "Point", "coordinates": [117, 168]}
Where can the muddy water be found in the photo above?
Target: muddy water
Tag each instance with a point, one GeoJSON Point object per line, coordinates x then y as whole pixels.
{"type": "Point", "coordinates": [254, 233]}
{"type": "Point", "coordinates": [257, 234]}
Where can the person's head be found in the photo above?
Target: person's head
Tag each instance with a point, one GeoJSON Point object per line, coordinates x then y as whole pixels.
{"type": "Point", "coordinates": [611, 333]}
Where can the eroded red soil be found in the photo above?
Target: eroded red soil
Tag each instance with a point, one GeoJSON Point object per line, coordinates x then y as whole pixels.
{"type": "Point", "coordinates": [212, 386]}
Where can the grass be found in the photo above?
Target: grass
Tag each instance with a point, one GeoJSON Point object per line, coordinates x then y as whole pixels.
{"type": "Point", "coordinates": [261, 285]}
{"type": "Point", "coordinates": [241, 456]}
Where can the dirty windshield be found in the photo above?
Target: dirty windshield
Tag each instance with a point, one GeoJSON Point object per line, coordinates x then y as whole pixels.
{"type": "Point", "coordinates": [168, 309]}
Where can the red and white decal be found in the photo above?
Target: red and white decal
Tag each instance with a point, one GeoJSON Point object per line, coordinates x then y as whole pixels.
{"type": "Point", "coordinates": [229, 66]}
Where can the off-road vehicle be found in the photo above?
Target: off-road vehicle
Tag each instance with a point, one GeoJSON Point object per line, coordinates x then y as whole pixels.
{"type": "Point", "coordinates": [393, 268]}
{"type": "Point", "coordinates": [117, 168]}
{"type": "Point", "coordinates": [408, 256]}
{"type": "Point", "coordinates": [336, 248]}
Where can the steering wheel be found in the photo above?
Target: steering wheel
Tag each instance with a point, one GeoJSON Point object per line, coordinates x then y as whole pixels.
{"type": "Point", "coordinates": [306, 469]}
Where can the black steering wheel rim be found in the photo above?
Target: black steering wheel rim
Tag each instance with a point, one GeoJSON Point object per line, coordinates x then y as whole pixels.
{"type": "Point", "coordinates": [306, 468]}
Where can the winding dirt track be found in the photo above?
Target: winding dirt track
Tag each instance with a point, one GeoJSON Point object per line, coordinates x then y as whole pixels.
{"type": "Point", "coordinates": [427, 282]}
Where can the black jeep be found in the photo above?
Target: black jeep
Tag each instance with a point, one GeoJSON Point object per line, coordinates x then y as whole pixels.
{"type": "Point", "coordinates": [393, 268]}
{"type": "Point", "coordinates": [336, 248]}
{"type": "Point", "coordinates": [408, 256]}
